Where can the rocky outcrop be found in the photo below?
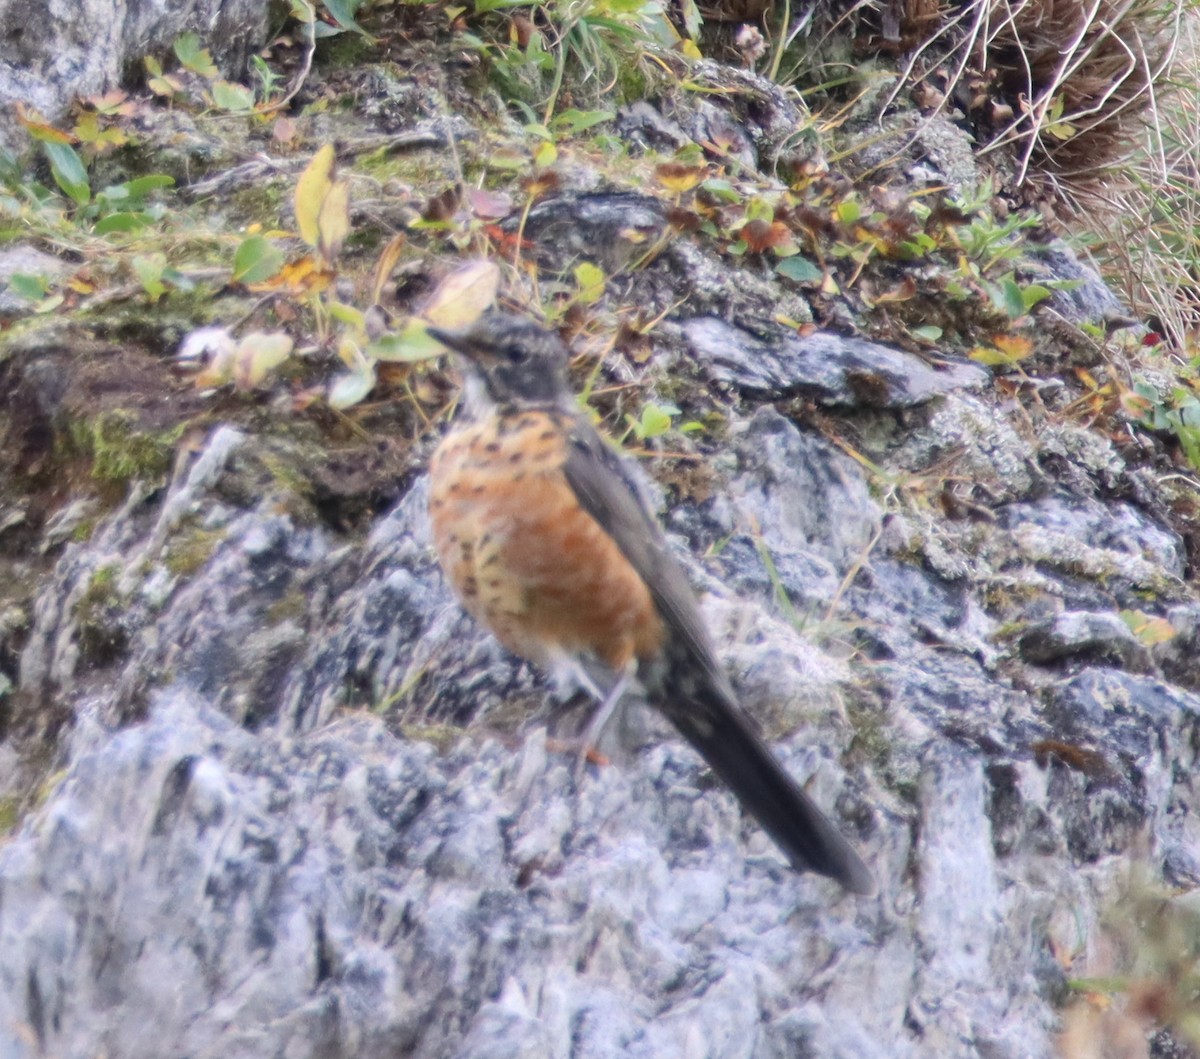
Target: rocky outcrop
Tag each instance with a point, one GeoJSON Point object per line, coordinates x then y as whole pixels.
{"type": "Point", "coordinates": [56, 51]}
{"type": "Point", "coordinates": [304, 807]}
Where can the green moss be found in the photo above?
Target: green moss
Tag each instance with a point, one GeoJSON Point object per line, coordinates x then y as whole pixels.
{"type": "Point", "coordinates": [119, 452]}
{"type": "Point", "coordinates": [345, 51]}
{"type": "Point", "coordinates": [871, 741]}
{"type": "Point", "coordinates": [287, 474]}
{"type": "Point", "coordinates": [102, 633]}
{"type": "Point", "coordinates": [189, 551]}
{"type": "Point", "coordinates": [293, 606]}
{"type": "Point", "coordinates": [419, 168]}
{"type": "Point", "coordinates": [103, 583]}
{"type": "Point", "coordinates": [443, 736]}
{"type": "Point", "coordinates": [259, 202]}
{"type": "Point", "coordinates": [10, 814]}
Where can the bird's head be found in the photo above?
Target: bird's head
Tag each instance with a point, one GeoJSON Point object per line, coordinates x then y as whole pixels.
{"type": "Point", "coordinates": [510, 361]}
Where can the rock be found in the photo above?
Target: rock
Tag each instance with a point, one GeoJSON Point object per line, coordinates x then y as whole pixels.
{"type": "Point", "coordinates": [265, 790]}
{"type": "Point", "coordinates": [57, 51]}
{"type": "Point", "coordinates": [607, 228]}
{"type": "Point", "coordinates": [1080, 634]}
{"type": "Point", "coordinates": [849, 372]}
{"type": "Point", "coordinates": [29, 261]}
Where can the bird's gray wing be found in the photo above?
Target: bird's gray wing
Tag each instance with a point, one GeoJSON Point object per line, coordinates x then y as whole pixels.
{"type": "Point", "coordinates": [691, 688]}
{"type": "Point", "coordinates": [608, 491]}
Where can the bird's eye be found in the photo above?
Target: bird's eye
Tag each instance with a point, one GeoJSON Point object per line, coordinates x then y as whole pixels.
{"type": "Point", "coordinates": [517, 354]}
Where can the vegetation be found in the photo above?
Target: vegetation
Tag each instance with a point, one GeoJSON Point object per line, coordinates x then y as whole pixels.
{"type": "Point", "coordinates": [304, 285]}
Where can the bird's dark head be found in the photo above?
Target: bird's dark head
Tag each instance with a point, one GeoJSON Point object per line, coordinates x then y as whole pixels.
{"type": "Point", "coordinates": [510, 361]}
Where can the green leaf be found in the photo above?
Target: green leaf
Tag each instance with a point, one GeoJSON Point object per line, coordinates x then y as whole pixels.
{"type": "Point", "coordinates": [654, 422]}
{"type": "Point", "coordinates": [178, 280]}
{"type": "Point", "coordinates": [68, 171]}
{"type": "Point", "coordinates": [1008, 297]}
{"type": "Point", "coordinates": [122, 222]}
{"type": "Point", "coordinates": [348, 315]}
{"type": "Point", "coordinates": [759, 209]}
{"type": "Point", "coordinates": [31, 288]}
{"type": "Point", "coordinates": [590, 281]}
{"type": "Point", "coordinates": [571, 122]}
{"type": "Point", "coordinates": [193, 57]}
{"type": "Point", "coordinates": [348, 389]}
{"type": "Point", "coordinates": [231, 97]}
{"type": "Point", "coordinates": [257, 259]}
{"type": "Point", "coordinates": [413, 343]}
{"type": "Point", "coordinates": [721, 190]}
{"type": "Point", "coordinates": [149, 269]}
{"type": "Point", "coordinates": [799, 269]}
{"type": "Point", "coordinates": [140, 187]}
{"type": "Point", "coordinates": [343, 12]}
{"type": "Point", "coordinates": [691, 18]}
{"type": "Point", "coordinates": [848, 211]}
{"type": "Point", "coordinates": [929, 332]}
{"type": "Point", "coordinates": [1033, 294]}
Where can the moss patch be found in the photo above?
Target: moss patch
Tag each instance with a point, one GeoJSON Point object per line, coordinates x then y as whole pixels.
{"type": "Point", "coordinates": [119, 451]}
{"type": "Point", "coordinates": [189, 551]}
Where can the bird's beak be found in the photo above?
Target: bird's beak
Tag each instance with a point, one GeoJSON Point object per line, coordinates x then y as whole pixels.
{"type": "Point", "coordinates": [460, 341]}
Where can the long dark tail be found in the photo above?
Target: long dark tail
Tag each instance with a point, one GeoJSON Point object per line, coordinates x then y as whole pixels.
{"type": "Point", "coordinates": [721, 732]}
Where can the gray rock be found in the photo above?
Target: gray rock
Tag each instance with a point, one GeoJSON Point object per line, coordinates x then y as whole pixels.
{"type": "Point", "coordinates": [608, 228]}
{"type": "Point", "coordinates": [300, 805]}
{"type": "Point", "coordinates": [850, 372]}
{"type": "Point", "coordinates": [30, 261]}
{"type": "Point", "coordinates": [1081, 634]}
{"type": "Point", "coordinates": [803, 495]}
{"type": "Point", "coordinates": [56, 50]}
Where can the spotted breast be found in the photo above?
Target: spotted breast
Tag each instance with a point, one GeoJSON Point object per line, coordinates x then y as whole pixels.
{"type": "Point", "coordinates": [527, 560]}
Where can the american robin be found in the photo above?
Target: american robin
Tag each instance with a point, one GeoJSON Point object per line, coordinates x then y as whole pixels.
{"type": "Point", "coordinates": [543, 534]}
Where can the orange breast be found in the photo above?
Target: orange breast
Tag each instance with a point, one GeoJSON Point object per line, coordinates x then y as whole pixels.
{"type": "Point", "coordinates": [522, 554]}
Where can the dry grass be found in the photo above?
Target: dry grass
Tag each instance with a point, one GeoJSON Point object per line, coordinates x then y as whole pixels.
{"type": "Point", "coordinates": [1065, 85]}
{"type": "Point", "coordinates": [1147, 225]}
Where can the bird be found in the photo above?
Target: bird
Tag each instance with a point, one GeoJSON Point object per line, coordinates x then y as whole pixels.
{"type": "Point", "coordinates": [544, 535]}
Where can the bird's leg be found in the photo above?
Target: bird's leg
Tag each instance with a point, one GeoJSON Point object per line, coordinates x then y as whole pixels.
{"type": "Point", "coordinates": [603, 714]}
{"type": "Point", "coordinates": [570, 671]}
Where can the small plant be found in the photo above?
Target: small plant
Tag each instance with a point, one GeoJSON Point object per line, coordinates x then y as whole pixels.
{"type": "Point", "coordinates": [1177, 415]}
{"type": "Point", "coordinates": [599, 43]}
{"type": "Point", "coordinates": [655, 420]}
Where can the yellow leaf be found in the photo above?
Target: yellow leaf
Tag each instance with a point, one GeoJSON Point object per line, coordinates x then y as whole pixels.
{"type": "Point", "coordinates": [40, 130]}
{"type": "Point", "coordinates": [545, 155]}
{"type": "Point", "coordinates": [301, 277]}
{"type": "Point", "coordinates": [333, 222]}
{"type": "Point", "coordinates": [256, 355]}
{"type": "Point", "coordinates": [352, 356]}
{"type": "Point", "coordinates": [386, 265]}
{"type": "Point", "coordinates": [311, 189]}
{"type": "Point", "coordinates": [1017, 347]}
{"type": "Point", "coordinates": [590, 281]}
{"type": "Point", "coordinates": [1150, 630]}
{"type": "Point", "coordinates": [1006, 351]}
{"type": "Point", "coordinates": [677, 177]}
{"type": "Point", "coordinates": [463, 295]}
